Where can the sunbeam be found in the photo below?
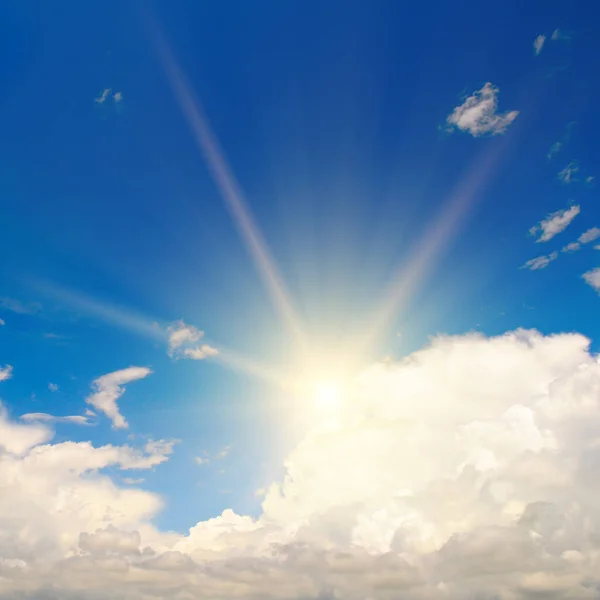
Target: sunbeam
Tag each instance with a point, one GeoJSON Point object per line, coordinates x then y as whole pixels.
{"type": "Point", "coordinates": [228, 186]}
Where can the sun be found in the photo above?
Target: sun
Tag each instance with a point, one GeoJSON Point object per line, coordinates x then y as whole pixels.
{"type": "Point", "coordinates": [328, 395]}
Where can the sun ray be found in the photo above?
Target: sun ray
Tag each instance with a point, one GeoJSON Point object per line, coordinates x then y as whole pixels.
{"type": "Point", "coordinates": [228, 186]}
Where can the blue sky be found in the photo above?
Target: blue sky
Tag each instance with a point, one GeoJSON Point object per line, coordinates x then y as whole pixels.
{"type": "Point", "coordinates": [335, 118]}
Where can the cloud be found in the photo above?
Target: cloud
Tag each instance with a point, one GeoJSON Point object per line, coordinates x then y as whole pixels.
{"type": "Point", "coordinates": [183, 342]}
{"type": "Point", "coordinates": [132, 481]}
{"type": "Point", "coordinates": [592, 278]}
{"type": "Point", "coordinates": [554, 149]}
{"type": "Point", "coordinates": [53, 387]}
{"type": "Point", "coordinates": [109, 388]}
{"type": "Point", "coordinates": [589, 179]}
{"type": "Point", "coordinates": [103, 96]}
{"type": "Point", "coordinates": [201, 460]}
{"type": "Point", "coordinates": [540, 262]}
{"type": "Point", "coordinates": [478, 115]}
{"type": "Point", "coordinates": [555, 223]}
{"type": "Point", "coordinates": [538, 44]}
{"type": "Point", "coordinates": [2, 322]}
{"type": "Point", "coordinates": [19, 307]}
{"type": "Point", "coordinates": [558, 35]}
{"type": "Point", "coordinates": [44, 417]}
{"type": "Point", "coordinates": [206, 459]}
{"type": "Point", "coordinates": [585, 238]}
{"type": "Point", "coordinates": [465, 470]}
{"type": "Point", "coordinates": [566, 175]}
{"type": "Point", "coordinates": [590, 235]}
{"type": "Point", "coordinates": [118, 97]}
{"type": "Point", "coordinates": [5, 372]}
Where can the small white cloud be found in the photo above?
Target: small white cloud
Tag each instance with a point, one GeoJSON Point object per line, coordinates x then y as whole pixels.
{"type": "Point", "coordinates": [46, 418]}
{"type": "Point", "coordinates": [566, 175]}
{"type": "Point", "coordinates": [572, 247]}
{"type": "Point", "coordinates": [554, 149]}
{"type": "Point", "coordinates": [590, 235]}
{"type": "Point", "coordinates": [592, 278]}
{"type": "Point", "coordinates": [89, 413]}
{"type": "Point", "coordinates": [200, 353]}
{"type": "Point", "coordinates": [477, 114]}
{"type": "Point", "coordinates": [5, 372]}
{"type": "Point", "coordinates": [53, 387]}
{"type": "Point", "coordinates": [555, 223]}
{"type": "Point", "coordinates": [183, 339]}
{"type": "Point", "coordinates": [589, 179]}
{"type": "Point", "coordinates": [223, 453]}
{"type": "Point", "coordinates": [558, 35]}
{"type": "Point", "coordinates": [540, 262]}
{"type": "Point", "coordinates": [2, 322]}
{"type": "Point", "coordinates": [538, 44]}
{"type": "Point", "coordinates": [109, 388]}
{"type": "Point", "coordinates": [118, 97]}
{"type": "Point", "coordinates": [103, 96]}
{"type": "Point", "coordinates": [201, 461]}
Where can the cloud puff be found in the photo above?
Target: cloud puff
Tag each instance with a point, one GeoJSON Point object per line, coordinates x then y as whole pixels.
{"type": "Point", "coordinates": [592, 278]}
{"type": "Point", "coordinates": [109, 388]}
{"type": "Point", "coordinates": [466, 470]}
{"type": "Point", "coordinates": [555, 223]}
{"type": "Point", "coordinates": [5, 372]}
{"type": "Point", "coordinates": [540, 262]}
{"type": "Point", "coordinates": [477, 114]}
{"type": "Point", "coordinates": [53, 387]}
{"type": "Point", "coordinates": [538, 44]}
{"type": "Point", "coordinates": [2, 322]}
{"type": "Point", "coordinates": [183, 342]}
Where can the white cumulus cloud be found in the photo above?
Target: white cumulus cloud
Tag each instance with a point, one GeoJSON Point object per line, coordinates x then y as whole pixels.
{"type": "Point", "coordinates": [109, 388]}
{"type": "Point", "coordinates": [478, 113]}
{"type": "Point", "coordinates": [555, 223]}
{"type": "Point", "coordinates": [466, 470]}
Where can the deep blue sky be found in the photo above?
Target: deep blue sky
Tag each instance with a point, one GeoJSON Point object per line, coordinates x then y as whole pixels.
{"type": "Point", "coordinates": [333, 117]}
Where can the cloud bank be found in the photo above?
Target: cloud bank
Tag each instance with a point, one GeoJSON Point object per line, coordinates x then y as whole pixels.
{"type": "Point", "coordinates": [466, 470]}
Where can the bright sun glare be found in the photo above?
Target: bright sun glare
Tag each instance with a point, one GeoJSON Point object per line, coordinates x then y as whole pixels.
{"type": "Point", "coordinates": [328, 395]}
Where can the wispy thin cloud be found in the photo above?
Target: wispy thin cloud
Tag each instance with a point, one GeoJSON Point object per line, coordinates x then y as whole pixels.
{"type": "Point", "coordinates": [586, 237]}
{"type": "Point", "coordinates": [555, 223]}
{"type": "Point", "coordinates": [554, 149]}
{"type": "Point", "coordinates": [560, 35]}
{"type": "Point", "coordinates": [540, 262]}
{"type": "Point", "coordinates": [572, 247]}
{"type": "Point", "coordinates": [2, 322]}
{"type": "Point", "coordinates": [101, 99]}
{"type": "Point", "coordinates": [46, 418]}
{"type": "Point", "coordinates": [20, 307]}
{"type": "Point", "coordinates": [118, 97]}
{"type": "Point", "coordinates": [567, 174]}
{"type": "Point", "coordinates": [53, 387]}
{"type": "Point", "coordinates": [538, 44]}
{"type": "Point", "coordinates": [478, 114]}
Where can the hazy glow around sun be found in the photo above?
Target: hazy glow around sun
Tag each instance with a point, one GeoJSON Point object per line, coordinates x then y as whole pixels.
{"type": "Point", "coordinates": [328, 395]}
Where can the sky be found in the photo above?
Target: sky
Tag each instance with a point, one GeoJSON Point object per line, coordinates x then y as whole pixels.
{"type": "Point", "coordinates": [299, 300]}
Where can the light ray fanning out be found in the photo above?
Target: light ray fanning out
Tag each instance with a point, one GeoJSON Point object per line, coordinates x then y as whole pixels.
{"type": "Point", "coordinates": [228, 187]}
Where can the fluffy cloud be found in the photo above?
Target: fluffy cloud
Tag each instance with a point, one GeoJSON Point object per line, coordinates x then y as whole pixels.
{"type": "Point", "coordinates": [467, 469]}
{"type": "Point", "coordinates": [540, 262]}
{"type": "Point", "coordinates": [183, 342]}
{"type": "Point", "coordinates": [592, 278]}
{"type": "Point", "coordinates": [555, 223]}
{"type": "Point", "coordinates": [109, 388]}
{"type": "Point", "coordinates": [5, 372]}
{"type": "Point", "coordinates": [477, 114]}
{"type": "Point", "coordinates": [53, 387]}
{"type": "Point", "coordinates": [538, 44]}
{"type": "Point", "coordinates": [585, 238]}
